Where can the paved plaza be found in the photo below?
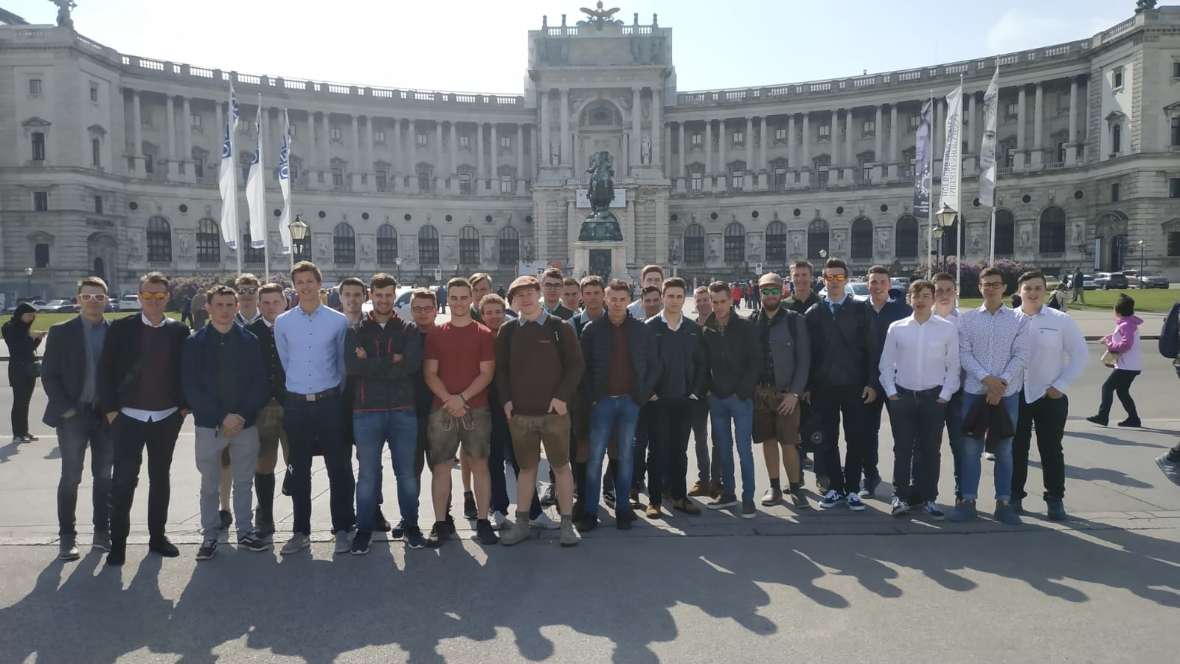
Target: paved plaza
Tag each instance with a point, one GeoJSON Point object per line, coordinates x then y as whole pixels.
{"type": "Point", "coordinates": [819, 586]}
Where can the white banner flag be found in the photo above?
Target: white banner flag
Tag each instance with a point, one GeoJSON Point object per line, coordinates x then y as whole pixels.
{"type": "Point", "coordinates": [952, 150]}
{"type": "Point", "coordinates": [256, 190]}
{"type": "Point", "coordinates": [229, 175]}
{"type": "Point", "coordinates": [987, 150]}
{"type": "Point", "coordinates": [285, 183]}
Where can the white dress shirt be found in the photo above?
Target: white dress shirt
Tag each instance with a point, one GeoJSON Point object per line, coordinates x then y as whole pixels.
{"type": "Point", "coordinates": [921, 356]}
{"type": "Point", "coordinates": [1058, 352]}
{"type": "Point", "coordinates": [139, 413]}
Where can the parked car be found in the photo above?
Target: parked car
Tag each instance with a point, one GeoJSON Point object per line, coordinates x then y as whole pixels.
{"type": "Point", "coordinates": [60, 307]}
{"type": "Point", "coordinates": [1110, 281]}
{"type": "Point", "coordinates": [1137, 280]}
{"type": "Point", "coordinates": [1052, 282]}
{"type": "Point", "coordinates": [128, 302]}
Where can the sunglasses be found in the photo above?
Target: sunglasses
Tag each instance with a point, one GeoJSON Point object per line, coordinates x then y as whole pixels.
{"type": "Point", "coordinates": [159, 297]}
{"type": "Point", "coordinates": [839, 278]}
{"type": "Point", "coordinates": [247, 290]}
{"type": "Point", "coordinates": [772, 291]}
{"type": "Point", "coordinates": [92, 297]}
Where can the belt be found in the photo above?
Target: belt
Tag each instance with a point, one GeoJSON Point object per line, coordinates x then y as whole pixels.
{"type": "Point", "coordinates": [932, 390]}
{"type": "Point", "coordinates": [318, 396]}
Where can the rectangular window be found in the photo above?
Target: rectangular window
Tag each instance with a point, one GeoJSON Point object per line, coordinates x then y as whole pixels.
{"type": "Point", "coordinates": [149, 165]}
{"type": "Point", "coordinates": [199, 169]}
{"type": "Point", "coordinates": [382, 181]}
{"type": "Point", "coordinates": [1116, 78]}
{"type": "Point", "coordinates": [98, 205]}
{"type": "Point", "coordinates": [38, 146]}
{"type": "Point", "coordinates": [1062, 146]}
{"type": "Point", "coordinates": [1173, 187]}
{"type": "Point", "coordinates": [915, 121]}
{"type": "Point", "coordinates": [194, 121]}
{"type": "Point", "coordinates": [506, 142]}
{"type": "Point", "coordinates": [465, 183]}
{"type": "Point", "coordinates": [379, 136]}
{"type": "Point", "coordinates": [1114, 192]}
{"type": "Point", "coordinates": [696, 181]}
{"type": "Point", "coordinates": [34, 87]}
{"type": "Point", "coordinates": [868, 128]}
{"type": "Point", "coordinates": [1116, 139]}
{"type": "Point", "coordinates": [1176, 69]}
{"type": "Point", "coordinates": [825, 131]}
{"type": "Point", "coordinates": [737, 180]}
{"type": "Point", "coordinates": [94, 92]}
{"type": "Point", "coordinates": [1009, 156]}
{"type": "Point", "coordinates": [506, 185]}
{"type": "Point", "coordinates": [1173, 243]}
{"type": "Point", "coordinates": [338, 178]}
{"type": "Point", "coordinates": [1176, 132]}
{"type": "Point", "coordinates": [866, 174]}
{"type": "Point", "coordinates": [1063, 104]}
{"type": "Point", "coordinates": [40, 201]}
{"type": "Point", "coordinates": [464, 141]}
{"type": "Point", "coordinates": [334, 134]}
{"type": "Point", "coordinates": [421, 139]}
{"type": "Point", "coordinates": [780, 134]}
{"type": "Point", "coordinates": [780, 179]}
{"type": "Point", "coordinates": [696, 139]}
{"type": "Point", "coordinates": [41, 255]}
{"type": "Point", "coordinates": [739, 138]}
{"type": "Point", "coordinates": [1011, 110]}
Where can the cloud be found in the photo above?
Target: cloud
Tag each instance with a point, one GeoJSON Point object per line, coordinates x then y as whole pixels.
{"type": "Point", "coordinates": [1023, 28]}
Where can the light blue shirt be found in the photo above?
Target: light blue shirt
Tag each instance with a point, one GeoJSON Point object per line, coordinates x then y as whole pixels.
{"type": "Point", "coordinates": [833, 303]}
{"type": "Point", "coordinates": [311, 348]}
{"type": "Point", "coordinates": [993, 345]}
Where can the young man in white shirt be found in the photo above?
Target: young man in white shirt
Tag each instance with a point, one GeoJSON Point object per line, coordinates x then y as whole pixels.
{"type": "Point", "coordinates": [946, 297]}
{"type": "Point", "coordinates": [919, 373]}
{"type": "Point", "coordinates": [1057, 360]}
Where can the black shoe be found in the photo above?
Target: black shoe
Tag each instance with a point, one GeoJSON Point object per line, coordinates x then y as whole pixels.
{"type": "Point", "coordinates": [623, 520]}
{"type": "Point", "coordinates": [608, 497]}
{"type": "Point", "coordinates": [252, 542]}
{"type": "Point", "coordinates": [162, 546]}
{"type": "Point", "coordinates": [469, 510]}
{"type": "Point", "coordinates": [1131, 422]}
{"type": "Point", "coordinates": [414, 538]}
{"type": "Point", "coordinates": [360, 543]}
{"type": "Point", "coordinates": [450, 524]}
{"type": "Point", "coordinates": [207, 550]}
{"type": "Point", "coordinates": [380, 524]}
{"type": "Point", "coordinates": [438, 534]}
{"type": "Point", "coordinates": [586, 524]}
{"type": "Point", "coordinates": [227, 519]}
{"type": "Point", "coordinates": [117, 555]}
{"type": "Point", "coordinates": [485, 534]}
{"type": "Point", "coordinates": [1097, 419]}
{"type": "Point", "coordinates": [399, 531]}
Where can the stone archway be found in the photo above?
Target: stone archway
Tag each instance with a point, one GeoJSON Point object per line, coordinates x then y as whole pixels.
{"type": "Point", "coordinates": [1110, 244]}
{"type": "Point", "coordinates": [101, 258]}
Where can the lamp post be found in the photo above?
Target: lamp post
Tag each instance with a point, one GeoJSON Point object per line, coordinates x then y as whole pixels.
{"type": "Point", "coordinates": [1140, 275]}
{"type": "Point", "coordinates": [29, 282]}
{"type": "Point", "coordinates": [946, 218]}
{"type": "Point", "coordinates": [299, 230]}
{"type": "Point", "coordinates": [398, 262]}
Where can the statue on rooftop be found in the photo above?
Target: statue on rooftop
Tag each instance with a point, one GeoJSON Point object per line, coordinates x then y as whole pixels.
{"type": "Point", "coordinates": [599, 16]}
{"type": "Point", "coordinates": [63, 12]}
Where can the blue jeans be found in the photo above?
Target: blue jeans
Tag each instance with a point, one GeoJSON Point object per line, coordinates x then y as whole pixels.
{"type": "Point", "coordinates": [971, 448]}
{"type": "Point", "coordinates": [609, 415]}
{"type": "Point", "coordinates": [954, 433]}
{"type": "Point", "coordinates": [741, 412]}
{"type": "Point", "coordinates": [372, 430]}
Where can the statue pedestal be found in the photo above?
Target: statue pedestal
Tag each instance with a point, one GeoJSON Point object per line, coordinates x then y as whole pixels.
{"type": "Point", "coordinates": [605, 259]}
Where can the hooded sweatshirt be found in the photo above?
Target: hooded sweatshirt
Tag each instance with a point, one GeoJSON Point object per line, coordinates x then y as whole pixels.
{"type": "Point", "coordinates": [1125, 341]}
{"type": "Point", "coordinates": [21, 346]}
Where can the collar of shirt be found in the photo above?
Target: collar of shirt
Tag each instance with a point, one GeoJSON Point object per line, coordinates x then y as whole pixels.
{"type": "Point", "coordinates": [247, 321]}
{"type": "Point", "coordinates": [314, 312]}
{"type": "Point", "coordinates": [830, 302]}
{"type": "Point", "coordinates": [267, 323]}
{"type": "Point", "coordinates": [665, 321]}
{"type": "Point", "coordinates": [540, 319]}
{"type": "Point", "coordinates": [147, 322]}
{"type": "Point", "coordinates": [102, 323]}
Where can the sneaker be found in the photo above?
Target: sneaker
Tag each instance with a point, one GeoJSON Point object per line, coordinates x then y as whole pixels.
{"type": "Point", "coordinates": [1098, 419]}
{"type": "Point", "coordinates": [297, 543]}
{"type": "Point", "coordinates": [117, 555]}
{"type": "Point", "coordinates": [380, 523]}
{"type": "Point", "coordinates": [543, 522]}
{"type": "Point", "coordinates": [822, 483]}
{"type": "Point", "coordinates": [498, 520]}
{"type": "Point", "coordinates": [225, 519]}
{"type": "Point", "coordinates": [162, 546]}
{"type": "Point", "coordinates": [652, 511]}
{"type": "Point", "coordinates": [623, 520]}
{"type": "Point", "coordinates": [343, 541]}
{"type": "Point", "coordinates": [399, 531]}
{"type": "Point", "coordinates": [608, 497]}
{"type": "Point", "coordinates": [715, 489]}
{"type": "Point", "coordinates": [208, 550]}
{"type": "Point", "coordinates": [450, 523]}
{"type": "Point", "coordinates": [931, 510]}
{"type": "Point", "coordinates": [263, 524]}
{"type": "Point", "coordinates": [870, 486]}
{"type": "Point", "coordinates": [687, 506]}
{"type": "Point", "coordinates": [830, 500]}
{"type": "Point", "coordinates": [723, 502]}
{"type": "Point", "coordinates": [69, 550]}
{"type": "Point", "coordinates": [964, 511]}
{"type": "Point", "coordinates": [989, 456]}
{"type": "Point", "coordinates": [748, 511]}
{"type": "Point", "coordinates": [569, 534]}
{"type": "Point", "coordinates": [253, 542]}
{"type": "Point", "coordinates": [101, 542]}
{"type": "Point", "coordinates": [898, 507]}
{"type": "Point", "coordinates": [414, 538]}
{"type": "Point", "coordinates": [360, 543]}
{"type": "Point", "coordinates": [1056, 509]}
{"type": "Point", "coordinates": [699, 489]}
{"type": "Point", "coordinates": [469, 510]}
{"type": "Point", "coordinates": [438, 534]}
{"type": "Point", "coordinates": [1006, 515]}
{"type": "Point", "coordinates": [1132, 422]}
{"type": "Point", "coordinates": [854, 502]}
{"type": "Point", "coordinates": [1169, 467]}
{"type": "Point", "coordinates": [517, 532]}
{"type": "Point", "coordinates": [772, 496]}
{"type": "Point", "coordinates": [799, 500]}
{"type": "Point", "coordinates": [485, 534]}
{"type": "Point", "coordinates": [635, 504]}
{"type": "Point", "coordinates": [547, 496]}
{"type": "Point", "coordinates": [30, 438]}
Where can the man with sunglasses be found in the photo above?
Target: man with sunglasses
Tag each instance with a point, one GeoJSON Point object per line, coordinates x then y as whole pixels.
{"type": "Point", "coordinates": [69, 374]}
{"type": "Point", "coordinates": [140, 392]}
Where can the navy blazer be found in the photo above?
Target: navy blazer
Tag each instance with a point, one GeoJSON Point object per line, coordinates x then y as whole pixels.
{"type": "Point", "coordinates": [63, 370]}
{"type": "Point", "coordinates": [199, 368]}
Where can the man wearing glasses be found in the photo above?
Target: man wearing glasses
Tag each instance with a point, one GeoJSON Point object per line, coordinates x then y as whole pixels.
{"type": "Point", "coordinates": [139, 389]}
{"type": "Point", "coordinates": [69, 374]}
{"type": "Point", "coordinates": [551, 284]}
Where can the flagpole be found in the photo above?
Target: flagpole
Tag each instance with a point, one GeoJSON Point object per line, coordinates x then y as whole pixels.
{"type": "Point", "coordinates": [262, 171]}
{"type": "Point", "coordinates": [959, 193]}
{"type": "Point", "coordinates": [233, 144]}
{"type": "Point", "coordinates": [930, 193]}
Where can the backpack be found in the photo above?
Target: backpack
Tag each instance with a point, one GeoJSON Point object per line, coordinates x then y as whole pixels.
{"type": "Point", "coordinates": [1170, 336]}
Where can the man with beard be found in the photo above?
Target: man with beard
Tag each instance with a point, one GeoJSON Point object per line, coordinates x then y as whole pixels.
{"type": "Point", "coordinates": [708, 482]}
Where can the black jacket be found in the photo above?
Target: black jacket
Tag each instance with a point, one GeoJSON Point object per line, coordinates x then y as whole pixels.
{"type": "Point", "coordinates": [382, 384]}
{"type": "Point", "coordinates": [63, 369]}
{"type": "Point", "coordinates": [121, 363]}
{"type": "Point", "coordinates": [597, 339]}
{"type": "Point", "coordinates": [21, 347]}
{"type": "Point", "coordinates": [200, 377]}
{"type": "Point", "coordinates": [682, 367]}
{"type": "Point", "coordinates": [734, 355]}
{"type": "Point", "coordinates": [844, 347]}
{"type": "Point", "coordinates": [276, 376]}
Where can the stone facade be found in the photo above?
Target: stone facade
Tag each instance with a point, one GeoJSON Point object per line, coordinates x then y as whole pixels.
{"type": "Point", "coordinates": [110, 161]}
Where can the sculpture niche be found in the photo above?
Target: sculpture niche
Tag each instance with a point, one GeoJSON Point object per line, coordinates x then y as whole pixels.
{"type": "Point", "coordinates": [601, 225]}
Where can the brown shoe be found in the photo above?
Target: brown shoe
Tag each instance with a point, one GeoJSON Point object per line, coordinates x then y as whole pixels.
{"type": "Point", "coordinates": [699, 489]}
{"type": "Point", "coordinates": [714, 489]}
{"type": "Point", "coordinates": [652, 511]}
{"type": "Point", "coordinates": [687, 506]}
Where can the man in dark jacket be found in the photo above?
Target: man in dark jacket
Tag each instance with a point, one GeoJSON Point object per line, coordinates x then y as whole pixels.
{"type": "Point", "coordinates": [140, 393]}
{"type": "Point", "coordinates": [271, 303]}
{"type": "Point", "coordinates": [620, 361]}
{"type": "Point", "coordinates": [844, 359]}
{"type": "Point", "coordinates": [70, 377]}
{"type": "Point", "coordinates": [886, 310]}
{"type": "Point", "coordinates": [734, 363]}
{"type": "Point", "coordinates": [224, 378]}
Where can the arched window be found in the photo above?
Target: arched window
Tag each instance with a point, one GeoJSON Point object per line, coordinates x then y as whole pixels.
{"type": "Point", "coordinates": [343, 244]}
{"type": "Point", "coordinates": [509, 246]}
{"type": "Point", "coordinates": [735, 243]}
{"type": "Point", "coordinates": [1053, 230]}
{"type": "Point", "coordinates": [254, 255]}
{"type": "Point", "coordinates": [469, 246]}
{"type": "Point", "coordinates": [776, 243]}
{"type": "Point", "coordinates": [906, 237]}
{"type": "Point", "coordinates": [694, 245]}
{"type": "Point", "coordinates": [386, 245]}
{"type": "Point", "coordinates": [1005, 233]}
{"type": "Point", "coordinates": [159, 240]}
{"type": "Point", "coordinates": [208, 242]}
{"type": "Point", "coordinates": [862, 239]}
{"type": "Point", "coordinates": [427, 246]}
{"type": "Point", "coordinates": [817, 238]}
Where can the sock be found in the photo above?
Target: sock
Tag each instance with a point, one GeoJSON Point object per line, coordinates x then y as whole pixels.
{"type": "Point", "coordinates": [522, 519]}
{"type": "Point", "coordinates": [796, 486]}
{"type": "Point", "coordinates": [774, 484]}
{"type": "Point", "coordinates": [467, 493]}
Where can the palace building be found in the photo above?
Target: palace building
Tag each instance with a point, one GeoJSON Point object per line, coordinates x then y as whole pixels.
{"type": "Point", "coordinates": [110, 161]}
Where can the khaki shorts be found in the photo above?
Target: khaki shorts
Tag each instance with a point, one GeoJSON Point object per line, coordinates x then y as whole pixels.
{"type": "Point", "coordinates": [528, 433]}
{"type": "Point", "coordinates": [768, 423]}
{"type": "Point", "coordinates": [473, 431]}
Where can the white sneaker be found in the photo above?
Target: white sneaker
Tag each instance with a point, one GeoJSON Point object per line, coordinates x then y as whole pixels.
{"type": "Point", "coordinates": [499, 519]}
{"type": "Point", "coordinates": [989, 456]}
{"type": "Point", "coordinates": [854, 502]}
{"type": "Point", "coordinates": [344, 541]}
{"type": "Point", "coordinates": [543, 522]}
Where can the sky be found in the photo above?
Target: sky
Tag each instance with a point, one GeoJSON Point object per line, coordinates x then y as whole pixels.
{"type": "Point", "coordinates": [481, 45]}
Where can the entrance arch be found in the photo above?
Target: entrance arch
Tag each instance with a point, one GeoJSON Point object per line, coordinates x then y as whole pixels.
{"type": "Point", "coordinates": [101, 252]}
{"type": "Point", "coordinates": [1111, 244]}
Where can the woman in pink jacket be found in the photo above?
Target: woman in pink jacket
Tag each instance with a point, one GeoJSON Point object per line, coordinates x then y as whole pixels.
{"type": "Point", "coordinates": [1124, 349]}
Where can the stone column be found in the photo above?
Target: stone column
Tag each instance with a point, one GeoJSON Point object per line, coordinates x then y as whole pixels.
{"type": "Point", "coordinates": [565, 127]}
{"type": "Point", "coordinates": [368, 152]}
{"type": "Point", "coordinates": [480, 174]}
{"type": "Point", "coordinates": [411, 145]}
{"type": "Point", "coordinates": [326, 156]}
{"type": "Point", "coordinates": [313, 150]}
{"type": "Point", "coordinates": [939, 138]}
{"type": "Point", "coordinates": [666, 151]}
{"type": "Point", "coordinates": [636, 126]}
{"type": "Point", "coordinates": [1038, 126]}
{"type": "Point", "coordinates": [683, 155]}
{"type": "Point", "coordinates": [1070, 149]}
{"type": "Point", "coordinates": [1019, 162]}
{"type": "Point", "coordinates": [849, 159]}
{"type": "Point", "coordinates": [543, 107]}
{"type": "Point", "coordinates": [520, 159]}
{"type": "Point", "coordinates": [837, 155]}
{"type": "Point", "coordinates": [186, 141]}
{"type": "Point", "coordinates": [709, 152]}
{"type": "Point", "coordinates": [215, 153]}
{"type": "Point", "coordinates": [494, 147]}
{"type": "Point", "coordinates": [170, 126]}
{"type": "Point", "coordinates": [440, 174]}
{"type": "Point", "coordinates": [722, 167]}
{"type": "Point", "coordinates": [805, 159]}
{"type": "Point", "coordinates": [878, 144]}
{"type": "Point", "coordinates": [656, 131]}
{"type": "Point", "coordinates": [136, 135]}
{"type": "Point", "coordinates": [763, 164]}
{"type": "Point", "coordinates": [894, 157]}
{"type": "Point", "coordinates": [454, 165]}
{"type": "Point", "coordinates": [751, 168]}
{"type": "Point", "coordinates": [792, 145]}
{"type": "Point", "coordinates": [355, 158]}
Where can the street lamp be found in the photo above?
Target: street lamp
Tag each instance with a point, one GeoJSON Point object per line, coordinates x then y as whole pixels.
{"type": "Point", "coordinates": [398, 262]}
{"type": "Point", "coordinates": [29, 280]}
{"type": "Point", "coordinates": [1140, 275]}
{"type": "Point", "coordinates": [937, 233]}
{"type": "Point", "coordinates": [299, 230]}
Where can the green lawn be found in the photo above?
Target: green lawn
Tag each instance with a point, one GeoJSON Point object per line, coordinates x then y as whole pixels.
{"type": "Point", "coordinates": [1154, 300]}
{"type": "Point", "coordinates": [45, 321]}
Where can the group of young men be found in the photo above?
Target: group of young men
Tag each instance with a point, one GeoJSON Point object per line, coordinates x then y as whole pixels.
{"type": "Point", "coordinates": [574, 367]}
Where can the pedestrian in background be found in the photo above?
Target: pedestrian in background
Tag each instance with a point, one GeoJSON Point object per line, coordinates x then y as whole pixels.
{"type": "Point", "coordinates": [1123, 354]}
{"type": "Point", "coordinates": [23, 369]}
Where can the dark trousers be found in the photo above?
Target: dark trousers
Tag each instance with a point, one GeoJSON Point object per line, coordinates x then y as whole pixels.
{"type": "Point", "coordinates": [833, 403]}
{"type": "Point", "coordinates": [916, 419]}
{"type": "Point", "coordinates": [318, 426]}
{"type": "Point", "coordinates": [1048, 416]}
{"type": "Point", "coordinates": [671, 421]}
{"type": "Point", "coordinates": [86, 429]}
{"type": "Point", "coordinates": [1119, 382]}
{"type": "Point", "coordinates": [708, 461]}
{"type": "Point", "coordinates": [873, 432]}
{"type": "Point", "coordinates": [130, 436]}
{"type": "Point", "coordinates": [643, 435]}
{"type": "Point", "coordinates": [22, 393]}
{"type": "Point", "coordinates": [500, 454]}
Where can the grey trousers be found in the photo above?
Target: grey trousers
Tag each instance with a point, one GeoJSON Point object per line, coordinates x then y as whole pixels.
{"type": "Point", "coordinates": [243, 454]}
